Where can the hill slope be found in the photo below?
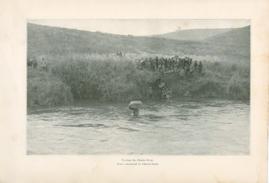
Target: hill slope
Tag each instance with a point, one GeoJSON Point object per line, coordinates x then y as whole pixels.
{"type": "Point", "coordinates": [45, 40]}
{"type": "Point", "coordinates": [239, 36]}
{"type": "Point", "coordinates": [52, 40]}
{"type": "Point", "coordinates": [236, 42]}
{"type": "Point", "coordinates": [192, 34]}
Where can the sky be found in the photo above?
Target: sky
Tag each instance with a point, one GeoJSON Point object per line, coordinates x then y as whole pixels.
{"type": "Point", "coordinates": [141, 27]}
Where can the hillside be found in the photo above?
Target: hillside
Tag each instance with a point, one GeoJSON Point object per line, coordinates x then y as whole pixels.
{"type": "Point", "coordinates": [232, 46]}
{"type": "Point", "coordinates": [52, 40]}
{"type": "Point", "coordinates": [233, 43]}
{"type": "Point", "coordinates": [239, 36]}
{"type": "Point", "coordinates": [192, 34]}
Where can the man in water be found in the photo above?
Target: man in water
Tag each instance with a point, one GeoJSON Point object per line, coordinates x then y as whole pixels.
{"type": "Point", "coordinates": [134, 106]}
{"type": "Point", "coordinates": [135, 111]}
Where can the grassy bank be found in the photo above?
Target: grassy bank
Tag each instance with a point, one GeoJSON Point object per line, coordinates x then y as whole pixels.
{"type": "Point", "coordinates": [45, 89]}
{"type": "Point", "coordinates": [121, 79]}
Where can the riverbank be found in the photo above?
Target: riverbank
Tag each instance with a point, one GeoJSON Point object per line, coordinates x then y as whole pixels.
{"type": "Point", "coordinates": [102, 79]}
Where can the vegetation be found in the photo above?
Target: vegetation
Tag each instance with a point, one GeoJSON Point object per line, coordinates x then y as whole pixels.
{"type": "Point", "coordinates": [121, 79]}
{"type": "Point", "coordinates": [44, 89]}
{"type": "Point", "coordinates": [65, 66]}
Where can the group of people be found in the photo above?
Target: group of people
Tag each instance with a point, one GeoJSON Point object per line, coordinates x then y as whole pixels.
{"type": "Point", "coordinates": [38, 63]}
{"type": "Point", "coordinates": [172, 64]}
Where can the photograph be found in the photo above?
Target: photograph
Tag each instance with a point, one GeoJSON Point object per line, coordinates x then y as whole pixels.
{"type": "Point", "coordinates": [138, 86]}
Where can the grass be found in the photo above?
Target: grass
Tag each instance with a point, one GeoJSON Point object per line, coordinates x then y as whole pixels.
{"type": "Point", "coordinates": [120, 79]}
{"type": "Point", "coordinates": [44, 89]}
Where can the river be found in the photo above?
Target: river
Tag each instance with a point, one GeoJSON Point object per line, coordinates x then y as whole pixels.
{"type": "Point", "coordinates": [209, 127]}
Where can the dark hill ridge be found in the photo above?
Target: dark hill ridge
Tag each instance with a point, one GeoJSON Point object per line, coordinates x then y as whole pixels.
{"type": "Point", "coordinates": [232, 45]}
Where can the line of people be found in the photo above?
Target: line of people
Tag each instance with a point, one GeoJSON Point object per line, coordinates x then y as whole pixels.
{"type": "Point", "coordinates": [172, 64]}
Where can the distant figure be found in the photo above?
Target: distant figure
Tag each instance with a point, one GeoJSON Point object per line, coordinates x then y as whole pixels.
{"type": "Point", "coordinates": [135, 106]}
{"type": "Point", "coordinates": [32, 63]}
{"type": "Point", "coordinates": [120, 54]}
{"type": "Point", "coordinates": [200, 67]}
{"type": "Point", "coordinates": [43, 64]}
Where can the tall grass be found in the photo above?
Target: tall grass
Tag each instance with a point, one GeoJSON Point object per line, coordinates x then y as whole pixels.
{"type": "Point", "coordinates": [120, 79]}
{"type": "Point", "coordinates": [44, 89]}
{"type": "Point", "coordinates": [105, 79]}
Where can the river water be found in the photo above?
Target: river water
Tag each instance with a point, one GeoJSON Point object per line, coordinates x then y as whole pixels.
{"type": "Point", "coordinates": [210, 127]}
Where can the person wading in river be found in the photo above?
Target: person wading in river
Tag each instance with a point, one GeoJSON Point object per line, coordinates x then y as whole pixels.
{"type": "Point", "coordinates": [135, 106]}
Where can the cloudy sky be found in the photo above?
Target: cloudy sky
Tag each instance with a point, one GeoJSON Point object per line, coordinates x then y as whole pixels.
{"type": "Point", "coordinates": [141, 26]}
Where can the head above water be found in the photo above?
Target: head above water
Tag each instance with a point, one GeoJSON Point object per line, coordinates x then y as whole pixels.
{"type": "Point", "coordinates": [135, 106]}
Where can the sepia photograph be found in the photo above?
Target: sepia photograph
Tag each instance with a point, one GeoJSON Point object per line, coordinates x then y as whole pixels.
{"type": "Point", "coordinates": [138, 86]}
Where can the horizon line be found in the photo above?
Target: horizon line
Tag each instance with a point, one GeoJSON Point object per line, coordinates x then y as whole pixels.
{"type": "Point", "coordinates": [157, 34]}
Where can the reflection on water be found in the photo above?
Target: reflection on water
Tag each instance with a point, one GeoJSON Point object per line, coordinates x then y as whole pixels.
{"type": "Point", "coordinates": [183, 127]}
